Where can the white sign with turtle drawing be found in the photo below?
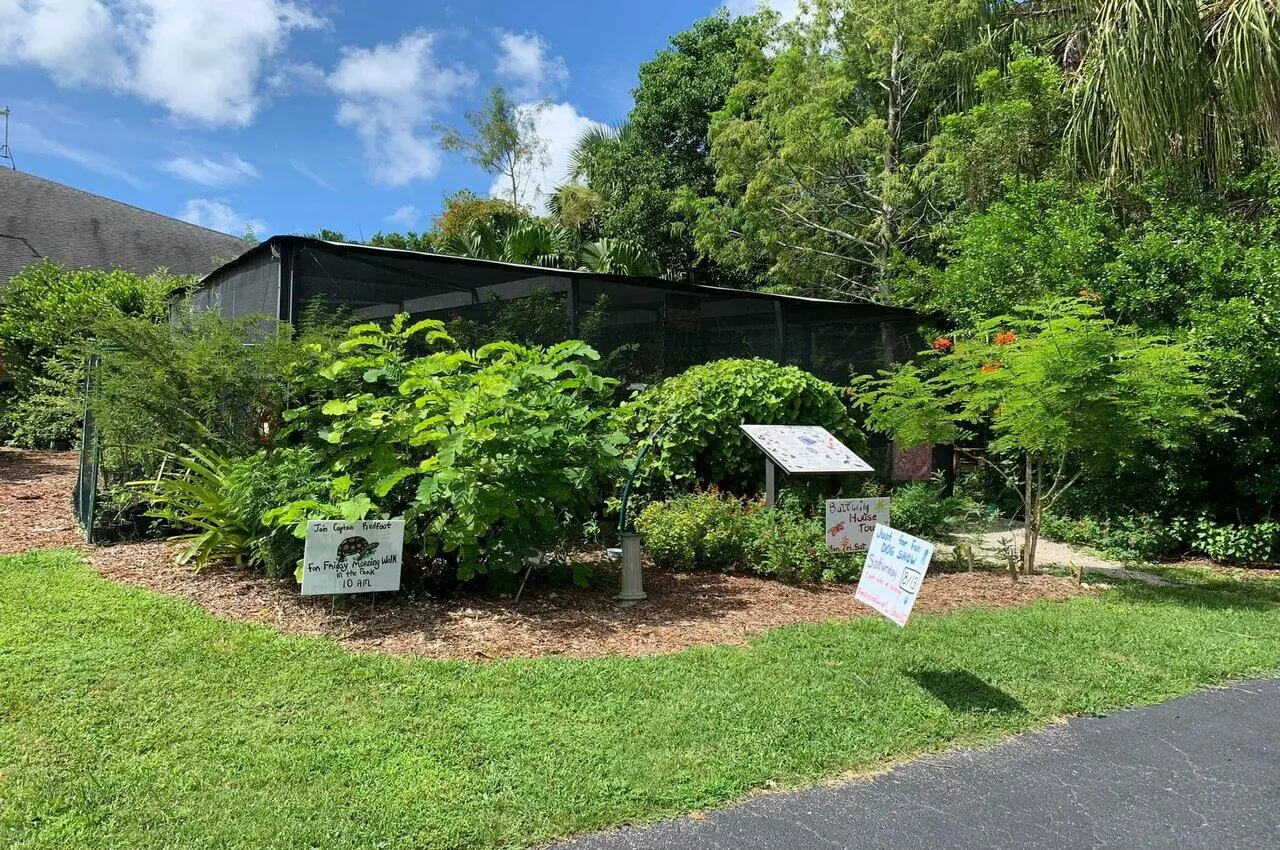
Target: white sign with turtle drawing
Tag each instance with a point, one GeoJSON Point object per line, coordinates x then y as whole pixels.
{"type": "Point", "coordinates": [352, 557]}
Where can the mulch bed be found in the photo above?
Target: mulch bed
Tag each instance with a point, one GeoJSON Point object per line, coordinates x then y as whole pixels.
{"type": "Point", "coordinates": [35, 500]}
{"type": "Point", "coordinates": [683, 609]}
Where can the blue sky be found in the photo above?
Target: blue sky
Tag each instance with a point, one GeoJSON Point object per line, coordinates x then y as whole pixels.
{"type": "Point", "coordinates": [292, 115]}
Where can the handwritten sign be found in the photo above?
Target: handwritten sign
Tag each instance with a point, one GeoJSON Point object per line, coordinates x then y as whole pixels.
{"type": "Point", "coordinates": [352, 557]}
{"type": "Point", "coordinates": [805, 449]}
{"type": "Point", "coordinates": [851, 522]}
{"type": "Point", "coordinates": [895, 568]}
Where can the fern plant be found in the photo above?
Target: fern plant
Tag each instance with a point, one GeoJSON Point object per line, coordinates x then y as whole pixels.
{"type": "Point", "coordinates": [194, 496]}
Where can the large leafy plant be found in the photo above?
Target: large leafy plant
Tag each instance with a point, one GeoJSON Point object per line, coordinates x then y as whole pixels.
{"type": "Point", "coordinates": [485, 453]}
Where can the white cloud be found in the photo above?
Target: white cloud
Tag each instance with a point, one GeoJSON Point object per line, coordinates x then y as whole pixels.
{"type": "Point", "coordinates": [388, 95]}
{"type": "Point", "coordinates": [27, 139]}
{"type": "Point", "coordinates": [302, 168]}
{"type": "Point", "coordinates": [198, 59]}
{"type": "Point", "coordinates": [559, 126]}
{"type": "Point", "coordinates": [525, 64]}
{"type": "Point", "coordinates": [208, 172]}
{"type": "Point", "coordinates": [406, 216]}
{"type": "Point", "coordinates": [74, 40]}
{"type": "Point", "coordinates": [786, 9]}
{"type": "Point", "coordinates": [217, 215]}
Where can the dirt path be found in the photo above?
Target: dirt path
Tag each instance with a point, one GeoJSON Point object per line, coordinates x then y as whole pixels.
{"type": "Point", "coordinates": [993, 543]}
{"type": "Point", "coordinates": [35, 500]}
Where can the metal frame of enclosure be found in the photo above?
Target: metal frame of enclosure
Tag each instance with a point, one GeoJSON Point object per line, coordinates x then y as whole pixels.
{"type": "Point", "coordinates": [663, 326]}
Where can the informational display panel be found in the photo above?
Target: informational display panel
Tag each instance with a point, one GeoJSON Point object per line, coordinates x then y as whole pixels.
{"type": "Point", "coordinates": [895, 568]}
{"type": "Point", "coordinates": [852, 522]}
{"type": "Point", "coordinates": [805, 449]}
{"type": "Point", "coordinates": [913, 464]}
{"type": "Point", "coordinates": [352, 557]}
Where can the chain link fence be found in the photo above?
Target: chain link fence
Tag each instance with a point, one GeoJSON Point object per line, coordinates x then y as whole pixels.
{"type": "Point", "coordinates": [86, 493]}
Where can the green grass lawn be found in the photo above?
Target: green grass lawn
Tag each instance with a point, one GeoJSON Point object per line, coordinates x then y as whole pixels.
{"type": "Point", "coordinates": [131, 720]}
{"type": "Point", "coordinates": [1256, 583]}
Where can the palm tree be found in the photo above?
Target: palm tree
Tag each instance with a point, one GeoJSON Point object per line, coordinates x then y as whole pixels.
{"type": "Point", "coordinates": [538, 243]}
{"type": "Point", "coordinates": [531, 243]}
{"type": "Point", "coordinates": [593, 143]}
{"type": "Point", "coordinates": [1165, 81]}
{"type": "Point", "coordinates": [617, 256]}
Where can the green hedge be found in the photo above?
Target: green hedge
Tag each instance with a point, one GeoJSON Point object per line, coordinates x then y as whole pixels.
{"type": "Point", "coordinates": [698, 414]}
{"type": "Point", "coordinates": [715, 531]}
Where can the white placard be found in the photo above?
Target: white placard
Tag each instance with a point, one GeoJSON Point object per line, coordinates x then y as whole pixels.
{"type": "Point", "coordinates": [805, 449]}
{"type": "Point", "coordinates": [851, 522]}
{"type": "Point", "coordinates": [352, 557]}
{"type": "Point", "coordinates": [895, 568]}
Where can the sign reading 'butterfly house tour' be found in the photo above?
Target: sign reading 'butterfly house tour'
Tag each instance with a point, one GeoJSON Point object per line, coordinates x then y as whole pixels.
{"type": "Point", "coordinates": [851, 522]}
{"type": "Point", "coordinates": [352, 557]}
{"type": "Point", "coordinates": [895, 568]}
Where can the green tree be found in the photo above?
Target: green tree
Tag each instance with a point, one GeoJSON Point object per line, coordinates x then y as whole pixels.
{"type": "Point", "coordinates": [1042, 239]}
{"type": "Point", "coordinates": [464, 208]}
{"type": "Point", "coordinates": [503, 141]}
{"type": "Point", "coordinates": [544, 243]}
{"type": "Point", "coordinates": [814, 151]}
{"type": "Point", "coordinates": [1062, 391]}
{"type": "Point", "coordinates": [661, 150]}
{"type": "Point", "coordinates": [410, 240]}
{"type": "Point", "coordinates": [1011, 137]}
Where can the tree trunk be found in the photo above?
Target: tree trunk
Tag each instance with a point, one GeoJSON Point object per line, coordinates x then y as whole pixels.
{"type": "Point", "coordinates": [1032, 511]}
{"type": "Point", "coordinates": [893, 129]}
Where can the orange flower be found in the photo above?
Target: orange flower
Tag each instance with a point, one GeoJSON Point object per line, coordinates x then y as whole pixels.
{"type": "Point", "coordinates": [992, 366]}
{"type": "Point", "coordinates": [1090, 295]}
{"type": "Point", "coordinates": [942, 345]}
{"type": "Point", "coordinates": [1005, 337]}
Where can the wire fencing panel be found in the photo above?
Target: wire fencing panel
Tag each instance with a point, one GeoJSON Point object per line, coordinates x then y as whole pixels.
{"type": "Point", "coordinates": [86, 493]}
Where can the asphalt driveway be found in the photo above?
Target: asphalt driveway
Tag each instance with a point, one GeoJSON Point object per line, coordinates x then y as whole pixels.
{"type": "Point", "coordinates": [1197, 772]}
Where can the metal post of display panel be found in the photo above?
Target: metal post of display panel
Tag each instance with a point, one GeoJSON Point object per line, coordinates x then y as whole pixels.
{"type": "Point", "coordinates": [770, 483]}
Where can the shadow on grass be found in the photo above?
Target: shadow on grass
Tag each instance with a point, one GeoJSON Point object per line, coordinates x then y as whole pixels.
{"type": "Point", "coordinates": [963, 692]}
{"type": "Point", "coordinates": [1191, 593]}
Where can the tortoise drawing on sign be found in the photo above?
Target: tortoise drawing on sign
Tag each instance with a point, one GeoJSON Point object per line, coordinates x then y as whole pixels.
{"type": "Point", "coordinates": [356, 548]}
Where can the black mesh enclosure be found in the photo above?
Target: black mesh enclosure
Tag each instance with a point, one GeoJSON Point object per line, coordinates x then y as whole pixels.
{"type": "Point", "coordinates": [253, 289]}
{"type": "Point", "coordinates": [645, 328]}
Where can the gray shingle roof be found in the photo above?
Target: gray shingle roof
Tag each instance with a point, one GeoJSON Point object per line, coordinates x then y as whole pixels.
{"type": "Point", "coordinates": [40, 218]}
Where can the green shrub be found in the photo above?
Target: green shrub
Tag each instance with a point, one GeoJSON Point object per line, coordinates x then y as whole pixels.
{"type": "Point", "coordinates": [698, 414]}
{"type": "Point", "coordinates": [716, 531]}
{"type": "Point", "coordinates": [193, 496]}
{"type": "Point", "coordinates": [696, 531]}
{"type": "Point", "coordinates": [52, 408]}
{"type": "Point", "coordinates": [1150, 536]}
{"type": "Point", "coordinates": [793, 547]}
{"type": "Point", "coordinates": [48, 311]}
{"type": "Point", "coordinates": [257, 485]}
{"type": "Point", "coordinates": [1143, 536]}
{"type": "Point", "coordinates": [484, 453]}
{"type": "Point", "coordinates": [921, 508]}
{"type": "Point", "coordinates": [200, 379]}
{"type": "Point", "coordinates": [1246, 544]}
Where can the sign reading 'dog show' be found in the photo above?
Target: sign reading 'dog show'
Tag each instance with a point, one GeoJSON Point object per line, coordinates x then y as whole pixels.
{"type": "Point", "coordinates": [805, 449]}
{"type": "Point", "coordinates": [352, 557]}
{"type": "Point", "coordinates": [851, 522]}
{"type": "Point", "coordinates": [895, 568]}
